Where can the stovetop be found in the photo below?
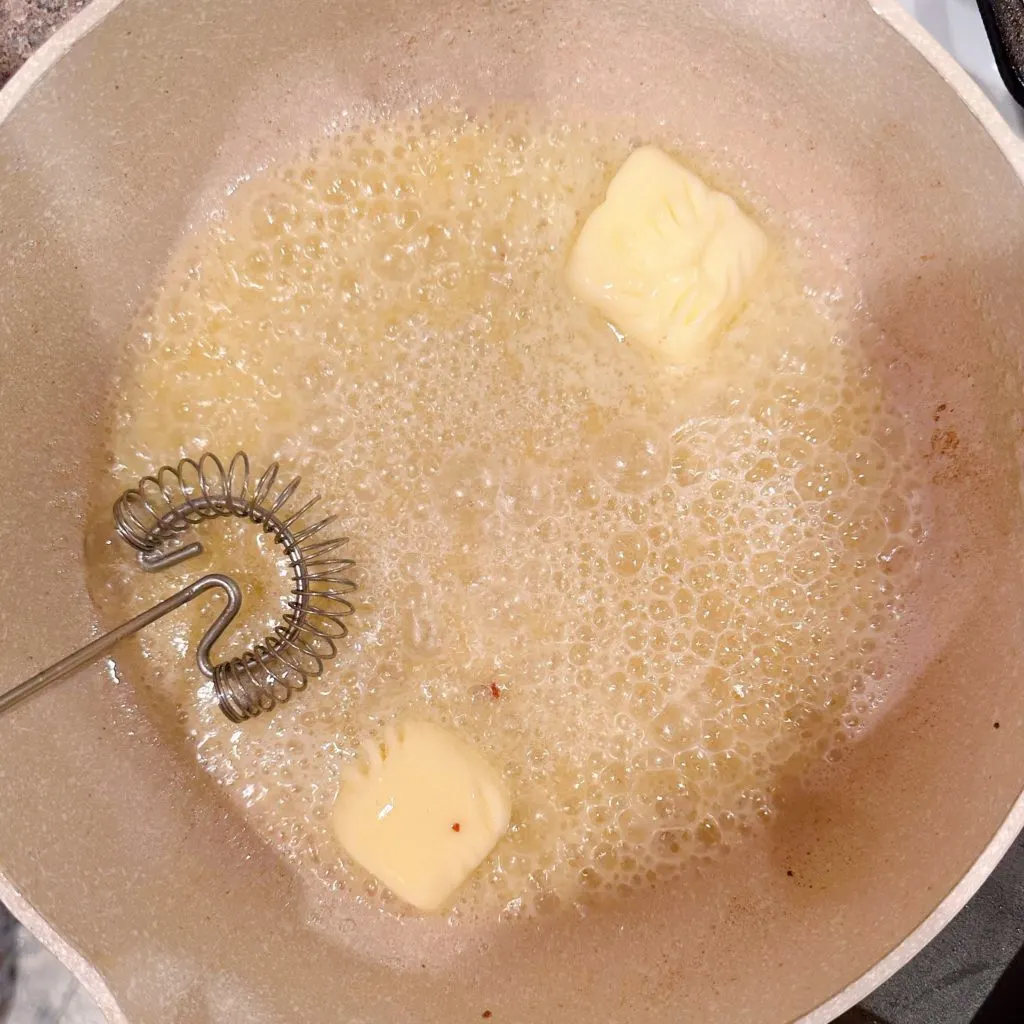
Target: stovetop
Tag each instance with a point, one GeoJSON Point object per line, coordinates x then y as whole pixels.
{"type": "Point", "coordinates": [958, 26]}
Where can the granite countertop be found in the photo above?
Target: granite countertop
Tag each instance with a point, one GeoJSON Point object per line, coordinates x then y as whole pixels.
{"type": "Point", "coordinates": [26, 24]}
{"type": "Point", "coordinates": [983, 937]}
{"type": "Point", "coordinates": [44, 991]}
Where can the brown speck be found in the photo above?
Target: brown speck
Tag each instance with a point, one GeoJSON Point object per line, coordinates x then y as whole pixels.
{"type": "Point", "coordinates": [495, 690]}
{"type": "Point", "coordinates": [790, 873]}
{"type": "Point", "coordinates": [456, 827]}
{"type": "Point", "coordinates": [486, 1014]}
{"type": "Point", "coordinates": [939, 410]}
{"type": "Point", "coordinates": [995, 725]}
{"type": "Point", "coordinates": [945, 442]}
{"type": "Point", "coordinates": [926, 257]}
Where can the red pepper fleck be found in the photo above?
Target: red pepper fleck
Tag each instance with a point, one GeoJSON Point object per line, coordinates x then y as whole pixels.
{"type": "Point", "coordinates": [495, 691]}
{"type": "Point", "coordinates": [456, 827]}
{"type": "Point", "coordinates": [485, 1014]}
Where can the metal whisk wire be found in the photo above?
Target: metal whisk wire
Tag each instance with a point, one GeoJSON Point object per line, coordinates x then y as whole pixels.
{"type": "Point", "coordinates": [154, 516]}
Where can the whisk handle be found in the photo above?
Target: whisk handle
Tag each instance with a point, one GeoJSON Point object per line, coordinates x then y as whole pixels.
{"type": "Point", "coordinates": [101, 645]}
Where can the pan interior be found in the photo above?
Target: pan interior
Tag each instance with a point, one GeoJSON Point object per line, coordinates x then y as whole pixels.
{"type": "Point", "coordinates": [646, 592]}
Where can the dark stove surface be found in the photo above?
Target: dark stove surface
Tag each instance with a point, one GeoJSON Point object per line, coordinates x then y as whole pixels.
{"type": "Point", "coordinates": [972, 972]}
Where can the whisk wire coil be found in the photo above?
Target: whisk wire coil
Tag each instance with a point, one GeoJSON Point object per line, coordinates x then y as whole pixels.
{"type": "Point", "coordinates": [152, 518]}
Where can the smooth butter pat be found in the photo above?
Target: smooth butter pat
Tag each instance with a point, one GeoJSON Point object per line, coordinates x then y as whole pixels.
{"type": "Point", "coordinates": [397, 812]}
{"type": "Point", "coordinates": [668, 260]}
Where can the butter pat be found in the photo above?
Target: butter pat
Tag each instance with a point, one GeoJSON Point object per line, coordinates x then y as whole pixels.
{"type": "Point", "coordinates": [668, 260]}
{"type": "Point", "coordinates": [421, 811]}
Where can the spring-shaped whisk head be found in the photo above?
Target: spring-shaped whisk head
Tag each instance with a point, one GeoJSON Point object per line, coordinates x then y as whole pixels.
{"type": "Point", "coordinates": [154, 516]}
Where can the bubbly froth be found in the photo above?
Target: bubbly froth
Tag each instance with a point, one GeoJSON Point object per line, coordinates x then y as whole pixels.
{"type": "Point", "coordinates": [643, 593]}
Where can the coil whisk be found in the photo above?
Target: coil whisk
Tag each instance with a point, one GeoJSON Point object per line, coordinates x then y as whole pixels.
{"type": "Point", "coordinates": [155, 517]}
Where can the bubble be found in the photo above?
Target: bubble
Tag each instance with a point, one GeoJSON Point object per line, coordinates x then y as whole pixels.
{"type": "Point", "coordinates": [627, 553]}
{"type": "Point", "coordinates": [714, 611]}
{"type": "Point", "coordinates": [689, 464]}
{"type": "Point", "coordinates": [821, 478]}
{"type": "Point", "coordinates": [469, 481]}
{"type": "Point", "coordinates": [632, 459]}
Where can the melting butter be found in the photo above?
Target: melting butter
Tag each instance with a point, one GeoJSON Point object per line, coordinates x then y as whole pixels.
{"type": "Point", "coordinates": [668, 260]}
{"type": "Point", "coordinates": [421, 811]}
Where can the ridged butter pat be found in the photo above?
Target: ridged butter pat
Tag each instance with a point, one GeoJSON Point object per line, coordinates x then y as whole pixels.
{"type": "Point", "coordinates": [668, 260]}
{"type": "Point", "coordinates": [421, 811]}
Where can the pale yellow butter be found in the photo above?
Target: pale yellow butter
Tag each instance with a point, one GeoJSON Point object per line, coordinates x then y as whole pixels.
{"type": "Point", "coordinates": [421, 811]}
{"type": "Point", "coordinates": [668, 260]}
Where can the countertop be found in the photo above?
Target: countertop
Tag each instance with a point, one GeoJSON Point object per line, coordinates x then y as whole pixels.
{"type": "Point", "coordinates": [26, 24]}
{"type": "Point", "coordinates": [948, 981]}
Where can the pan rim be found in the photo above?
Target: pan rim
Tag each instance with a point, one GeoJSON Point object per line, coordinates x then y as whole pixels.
{"type": "Point", "coordinates": [1012, 148]}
